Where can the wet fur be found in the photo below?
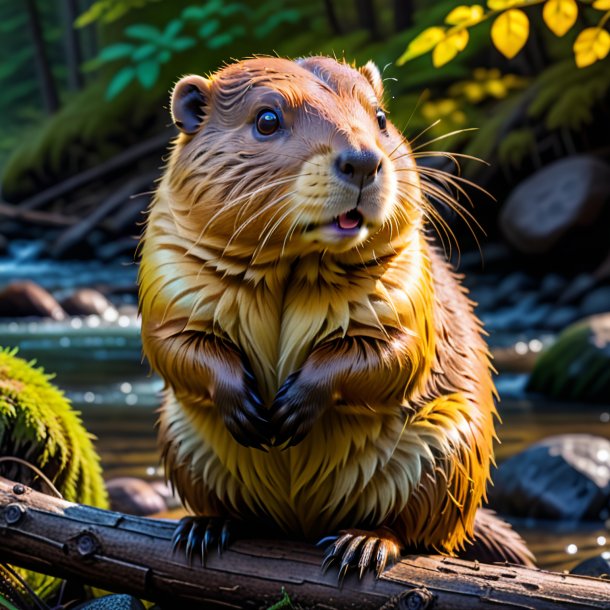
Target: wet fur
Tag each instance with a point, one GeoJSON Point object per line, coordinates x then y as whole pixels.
{"type": "Point", "coordinates": [387, 373]}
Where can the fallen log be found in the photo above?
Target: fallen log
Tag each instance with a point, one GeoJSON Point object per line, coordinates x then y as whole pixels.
{"type": "Point", "coordinates": [121, 161]}
{"type": "Point", "coordinates": [131, 554]}
{"type": "Point", "coordinates": [40, 217]}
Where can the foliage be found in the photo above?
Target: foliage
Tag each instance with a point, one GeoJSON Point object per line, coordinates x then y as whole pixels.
{"type": "Point", "coordinates": [108, 11]}
{"type": "Point", "coordinates": [510, 30]}
{"type": "Point", "coordinates": [38, 425]}
{"type": "Point", "coordinates": [577, 365]}
{"type": "Point", "coordinates": [20, 99]}
{"type": "Point", "coordinates": [146, 47]}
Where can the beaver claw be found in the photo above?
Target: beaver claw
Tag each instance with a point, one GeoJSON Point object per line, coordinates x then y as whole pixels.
{"type": "Point", "coordinates": [199, 534]}
{"type": "Point", "coordinates": [363, 550]}
{"type": "Point", "coordinates": [244, 414]}
{"type": "Point", "coordinates": [296, 407]}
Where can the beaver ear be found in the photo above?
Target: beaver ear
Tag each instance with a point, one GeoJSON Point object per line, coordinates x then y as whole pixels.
{"type": "Point", "coordinates": [189, 99]}
{"type": "Point", "coordinates": [371, 72]}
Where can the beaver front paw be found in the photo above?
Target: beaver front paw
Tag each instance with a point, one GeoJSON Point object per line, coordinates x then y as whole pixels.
{"type": "Point", "coordinates": [374, 550]}
{"type": "Point", "coordinates": [199, 535]}
{"type": "Point", "coordinates": [298, 404]}
{"type": "Point", "coordinates": [243, 412]}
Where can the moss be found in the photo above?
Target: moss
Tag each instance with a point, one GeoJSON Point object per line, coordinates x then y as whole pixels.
{"type": "Point", "coordinates": [577, 366]}
{"type": "Point", "coordinates": [38, 425]}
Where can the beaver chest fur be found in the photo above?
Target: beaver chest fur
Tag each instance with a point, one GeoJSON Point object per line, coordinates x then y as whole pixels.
{"type": "Point", "coordinates": [324, 369]}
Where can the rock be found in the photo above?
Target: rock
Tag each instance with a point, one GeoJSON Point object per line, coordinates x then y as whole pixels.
{"type": "Point", "coordinates": [511, 287]}
{"type": "Point", "coordinates": [86, 302]}
{"type": "Point", "coordinates": [560, 317]}
{"type": "Point", "coordinates": [558, 198]}
{"type": "Point", "coordinates": [134, 496]}
{"type": "Point", "coordinates": [577, 288]}
{"type": "Point", "coordinates": [597, 301]}
{"type": "Point", "coordinates": [594, 566]}
{"type": "Point", "coordinates": [111, 602]}
{"type": "Point", "coordinates": [172, 501]}
{"type": "Point", "coordinates": [565, 477]}
{"type": "Point", "coordinates": [22, 299]}
{"type": "Point", "coordinates": [551, 287]}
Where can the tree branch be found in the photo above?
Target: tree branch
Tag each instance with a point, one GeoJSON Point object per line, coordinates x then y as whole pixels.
{"type": "Point", "coordinates": [133, 554]}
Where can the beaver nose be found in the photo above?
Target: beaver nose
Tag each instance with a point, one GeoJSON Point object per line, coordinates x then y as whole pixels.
{"type": "Point", "coordinates": [358, 167]}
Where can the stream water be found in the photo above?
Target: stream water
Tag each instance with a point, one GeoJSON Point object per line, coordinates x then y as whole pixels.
{"type": "Point", "coordinates": [99, 366]}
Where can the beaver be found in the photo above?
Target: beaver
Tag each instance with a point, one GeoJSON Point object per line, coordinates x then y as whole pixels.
{"type": "Point", "coordinates": [325, 373]}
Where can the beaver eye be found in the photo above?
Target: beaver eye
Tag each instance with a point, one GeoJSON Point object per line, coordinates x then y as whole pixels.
{"type": "Point", "coordinates": [267, 122]}
{"type": "Point", "coordinates": [381, 120]}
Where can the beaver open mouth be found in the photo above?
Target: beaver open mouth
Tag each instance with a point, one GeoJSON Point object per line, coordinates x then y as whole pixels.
{"type": "Point", "coordinates": [350, 220]}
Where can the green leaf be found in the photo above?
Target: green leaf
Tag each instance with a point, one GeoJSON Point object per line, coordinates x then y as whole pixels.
{"type": "Point", "coordinates": [207, 29]}
{"type": "Point", "coordinates": [173, 28]}
{"type": "Point", "coordinates": [144, 52]}
{"type": "Point", "coordinates": [181, 44]}
{"type": "Point", "coordinates": [221, 40]}
{"type": "Point", "coordinates": [13, 24]}
{"type": "Point", "coordinates": [115, 51]}
{"type": "Point", "coordinates": [199, 13]}
{"type": "Point", "coordinates": [164, 56]}
{"type": "Point", "coordinates": [121, 79]}
{"type": "Point", "coordinates": [232, 9]}
{"type": "Point", "coordinates": [273, 21]}
{"type": "Point", "coordinates": [143, 31]}
{"type": "Point", "coordinates": [147, 73]}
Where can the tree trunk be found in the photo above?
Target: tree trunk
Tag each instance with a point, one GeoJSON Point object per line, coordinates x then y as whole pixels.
{"type": "Point", "coordinates": [331, 15]}
{"type": "Point", "coordinates": [50, 99]}
{"type": "Point", "coordinates": [72, 45]}
{"type": "Point", "coordinates": [403, 14]}
{"type": "Point", "coordinates": [367, 17]}
{"type": "Point", "coordinates": [130, 554]}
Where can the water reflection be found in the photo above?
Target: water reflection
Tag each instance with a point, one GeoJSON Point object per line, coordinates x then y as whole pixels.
{"type": "Point", "coordinates": [98, 363]}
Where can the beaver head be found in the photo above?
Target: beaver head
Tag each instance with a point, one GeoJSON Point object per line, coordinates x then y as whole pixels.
{"type": "Point", "coordinates": [280, 158]}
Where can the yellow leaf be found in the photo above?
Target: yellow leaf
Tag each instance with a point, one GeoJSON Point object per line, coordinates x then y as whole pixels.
{"type": "Point", "coordinates": [465, 14]}
{"type": "Point", "coordinates": [448, 48]}
{"type": "Point", "coordinates": [509, 32]}
{"type": "Point", "coordinates": [602, 5]}
{"type": "Point", "coordinates": [591, 45]}
{"type": "Point", "coordinates": [560, 15]}
{"type": "Point", "coordinates": [422, 43]}
{"type": "Point", "coordinates": [500, 5]}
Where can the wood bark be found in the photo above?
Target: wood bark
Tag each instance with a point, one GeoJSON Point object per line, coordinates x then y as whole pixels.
{"type": "Point", "coordinates": [131, 554]}
{"type": "Point", "coordinates": [403, 14]}
{"type": "Point", "coordinates": [48, 90]}
{"type": "Point", "coordinates": [122, 161]}
{"type": "Point", "coordinates": [72, 45]}
{"type": "Point", "coordinates": [331, 15]}
{"type": "Point", "coordinates": [367, 17]}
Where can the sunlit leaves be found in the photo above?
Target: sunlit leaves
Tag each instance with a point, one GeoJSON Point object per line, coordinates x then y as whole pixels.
{"type": "Point", "coordinates": [560, 15]}
{"type": "Point", "coordinates": [591, 45]}
{"type": "Point", "coordinates": [107, 11]}
{"type": "Point", "coordinates": [461, 15]}
{"type": "Point", "coordinates": [449, 47]}
{"type": "Point", "coordinates": [422, 43]}
{"type": "Point", "coordinates": [509, 32]}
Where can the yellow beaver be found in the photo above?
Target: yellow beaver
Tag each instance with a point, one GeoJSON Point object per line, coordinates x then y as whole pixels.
{"type": "Point", "coordinates": [291, 302]}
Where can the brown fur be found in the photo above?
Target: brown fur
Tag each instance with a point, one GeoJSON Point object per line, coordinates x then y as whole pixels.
{"type": "Point", "coordinates": [371, 343]}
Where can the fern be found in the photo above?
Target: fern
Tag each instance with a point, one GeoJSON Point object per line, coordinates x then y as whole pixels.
{"type": "Point", "coordinates": [38, 425]}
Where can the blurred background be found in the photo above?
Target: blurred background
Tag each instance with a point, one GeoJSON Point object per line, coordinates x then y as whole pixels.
{"type": "Point", "coordinates": [523, 86]}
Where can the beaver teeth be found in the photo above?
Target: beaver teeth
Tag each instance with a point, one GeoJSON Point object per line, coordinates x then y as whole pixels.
{"type": "Point", "coordinates": [349, 220]}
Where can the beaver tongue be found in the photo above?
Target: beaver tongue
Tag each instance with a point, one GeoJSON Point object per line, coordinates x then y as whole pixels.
{"type": "Point", "coordinates": [349, 220]}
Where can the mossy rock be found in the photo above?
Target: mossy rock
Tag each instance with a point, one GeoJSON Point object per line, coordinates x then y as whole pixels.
{"type": "Point", "coordinates": [39, 426]}
{"type": "Point", "coordinates": [577, 365]}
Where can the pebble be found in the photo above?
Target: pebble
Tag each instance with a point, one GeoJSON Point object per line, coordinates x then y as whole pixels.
{"type": "Point", "coordinates": [596, 301]}
{"type": "Point", "coordinates": [134, 496]}
{"type": "Point", "coordinates": [86, 302]}
{"type": "Point", "coordinates": [24, 299]}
